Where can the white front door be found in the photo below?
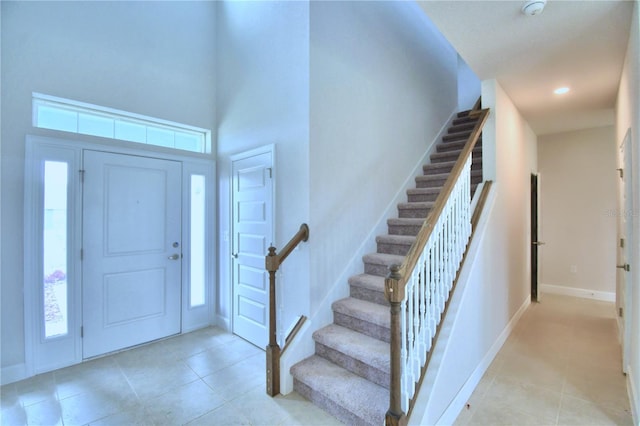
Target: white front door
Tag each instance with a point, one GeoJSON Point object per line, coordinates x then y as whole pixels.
{"type": "Point", "coordinates": [131, 284]}
{"type": "Point", "coordinates": [252, 234]}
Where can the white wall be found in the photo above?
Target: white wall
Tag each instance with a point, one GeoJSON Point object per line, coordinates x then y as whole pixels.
{"type": "Point", "coordinates": [577, 220]}
{"type": "Point", "coordinates": [469, 86]}
{"type": "Point", "coordinates": [628, 117]}
{"type": "Point", "coordinates": [495, 284]}
{"type": "Point", "coordinates": [263, 98]}
{"type": "Point", "coordinates": [383, 83]}
{"type": "Point", "coordinates": [156, 59]}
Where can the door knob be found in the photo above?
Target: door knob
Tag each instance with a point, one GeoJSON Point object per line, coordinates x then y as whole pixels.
{"type": "Point", "coordinates": [626, 267]}
{"type": "Point", "coordinates": [174, 256]}
{"type": "Point", "coordinates": [538, 243]}
{"type": "Point", "coordinates": [234, 255]}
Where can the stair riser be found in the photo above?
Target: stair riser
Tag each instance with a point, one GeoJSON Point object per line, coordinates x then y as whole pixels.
{"type": "Point", "coordinates": [443, 167]}
{"type": "Point", "coordinates": [436, 168]}
{"type": "Point", "coordinates": [358, 367]}
{"type": "Point", "coordinates": [370, 329]}
{"type": "Point", "coordinates": [462, 127]}
{"type": "Point", "coordinates": [413, 213]}
{"type": "Point", "coordinates": [455, 145]}
{"type": "Point", "coordinates": [375, 269]}
{"type": "Point", "coordinates": [369, 295]}
{"type": "Point", "coordinates": [404, 229]}
{"type": "Point", "coordinates": [463, 120]}
{"type": "Point", "coordinates": [399, 249]}
{"type": "Point", "coordinates": [456, 137]}
{"type": "Point", "coordinates": [418, 198]}
{"type": "Point", "coordinates": [453, 156]}
{"type": "Point", "coordinates": [332, 407]}
{"type": "Point", "coordinates": [430, 183]}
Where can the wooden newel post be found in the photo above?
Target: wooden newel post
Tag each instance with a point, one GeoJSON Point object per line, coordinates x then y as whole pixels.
{"type": "Point", "coordinates": [272, 263]}
{"type": "Point", "coordinates": [394, 292]}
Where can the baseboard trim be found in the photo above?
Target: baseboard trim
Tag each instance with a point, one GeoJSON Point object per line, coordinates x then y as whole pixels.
{"type": "Point", "coordinates": [633, 396]}
{"type": "Point", "coordinates": [223, 322]}
{"type": "Point", "coordinates": [13, 373]}
{"type": "Point", "coordinates": [584, 293]}
{"type": "Point", "coordinates": [458, 403]}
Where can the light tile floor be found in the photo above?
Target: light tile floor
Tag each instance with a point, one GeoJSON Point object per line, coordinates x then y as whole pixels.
{"type": "Point", "coordinates": [560, 366]}
{"type": "Point", "coordinates": [207, 377]}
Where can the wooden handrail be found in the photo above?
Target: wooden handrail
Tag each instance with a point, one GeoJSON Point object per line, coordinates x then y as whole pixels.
{"type": "Point", "coordinates": [427, 227]}
{"type": "Point", "coordinates": [395, 282]}
{"type": "Point", "coordinates": [272, 263]}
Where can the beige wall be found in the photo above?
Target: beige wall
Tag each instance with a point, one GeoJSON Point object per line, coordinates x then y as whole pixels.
{"type": "Point", "coordinates": [578, 211]}
{"type": "Point", "coordinates": [628, 117]}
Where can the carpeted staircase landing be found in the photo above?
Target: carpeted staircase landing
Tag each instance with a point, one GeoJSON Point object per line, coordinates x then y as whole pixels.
{"type": "Point", "coordinates": [349, 374]}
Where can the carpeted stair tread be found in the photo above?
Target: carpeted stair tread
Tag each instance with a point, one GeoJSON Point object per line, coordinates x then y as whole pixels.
{"type": "Point", "coordinates": [404, 226]}
{"type": "Point", "coordinates": [454, 146]}
{"type": "Point", "coordinates": [417, 209]}
{"type": "Point", "coordinates": [382, 259]}
{"type": "Point", "coordinates": [462, 127]}
{"type": "Point", "coordinates": [371, 282]}
{"type": "Point", "coordinates": [453, 155]}
{"type": "Point", "coordinates": [351, 398]}
{"type": "Point", "coordinates": [396, 239]}
{"type": "Point", "coordinates": [423, 194]}
{"type": "Point", "coordinates": [446, 166]}
{"type": "Point", "coordinates": [464, 119]}
{"type": "Point", "coordinates": [456, 136]}
{"type": "Point", "coordinates": [361, 309]}
{"type": "Point", "coordinates": [368, 287]}
{"type": "Point", "coordinates": [356, 352]}
{"type": "Point", "coordinates": [394, 244]}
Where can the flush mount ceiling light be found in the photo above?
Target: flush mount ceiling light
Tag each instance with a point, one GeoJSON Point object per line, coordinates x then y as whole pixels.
{"type": "Point", "coordinates": [533, 7]}
{"type": "Point", "coordinates": [561, 90]}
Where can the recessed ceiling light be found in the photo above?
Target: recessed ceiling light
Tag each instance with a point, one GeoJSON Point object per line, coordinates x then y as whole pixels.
{"type": "Point", "coordinates": [561, 90]}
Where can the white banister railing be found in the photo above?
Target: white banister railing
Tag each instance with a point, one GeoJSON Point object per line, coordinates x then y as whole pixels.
{"type": "Point", "coordinates": [430, 282]}
{"type": "Point", "coordinates": [418, 290]}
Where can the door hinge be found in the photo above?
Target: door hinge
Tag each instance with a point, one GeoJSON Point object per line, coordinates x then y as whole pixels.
{"type": "Point", "coordinates": [270, 172]}
{"type": "Point", "coordinates": [81, 331]}
{"type": "Point", "coordinates": [81, 172]}
{"type": "Point", "coordinates": [621, 242]}
{"type": "Point", "coordinates": [621, 173]}
{"type": "Point", "coordinates": [81, 254]}
{"type": "Point", "coordinates": [620, 312]}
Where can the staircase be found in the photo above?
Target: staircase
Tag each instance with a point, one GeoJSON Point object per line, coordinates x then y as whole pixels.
{"type": "Point", "coordinates": [349, 374]}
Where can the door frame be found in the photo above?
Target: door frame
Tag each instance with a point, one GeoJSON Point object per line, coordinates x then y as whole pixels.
{"type": "Point", "coordinates": [625, 218]}
{"type": "Point", "coordinates": [265, 149]}
{"type": "Point", "coordinates": [68, 349]}
{"type": "Point", "coordinates": [536, 265]}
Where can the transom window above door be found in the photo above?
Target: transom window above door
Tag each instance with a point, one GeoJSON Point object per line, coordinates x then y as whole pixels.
{"type": "Point", "coordinates": [50, 112]}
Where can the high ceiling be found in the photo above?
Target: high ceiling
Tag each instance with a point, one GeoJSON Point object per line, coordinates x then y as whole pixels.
{"type": "Point", "coordinates": [579, 44]}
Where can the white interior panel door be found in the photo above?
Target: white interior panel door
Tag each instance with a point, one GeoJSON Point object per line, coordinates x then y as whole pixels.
{"type": "Point", "coordinates": [132, 250]}
{"type": "Point", "coordinates": [252, 234]}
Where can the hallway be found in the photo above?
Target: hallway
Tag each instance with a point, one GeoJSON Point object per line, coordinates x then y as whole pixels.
{"type": "Point", "coordinates": [560, 366]}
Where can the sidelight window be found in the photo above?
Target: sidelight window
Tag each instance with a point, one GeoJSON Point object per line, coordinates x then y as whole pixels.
{"type": "Point", "coordinates": [54, 267]}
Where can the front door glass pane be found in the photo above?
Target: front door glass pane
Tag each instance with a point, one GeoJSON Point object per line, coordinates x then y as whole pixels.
{"type": "Point", "coordinates": [55, 249]}
{"type": "Point", "coordinates": [197, 267]}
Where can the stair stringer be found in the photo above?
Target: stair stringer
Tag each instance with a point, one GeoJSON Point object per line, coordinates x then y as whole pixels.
{"type": "Point", "coordinates": [303, 346]}
{"type": "Point", "coordinates": [460, 359]}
